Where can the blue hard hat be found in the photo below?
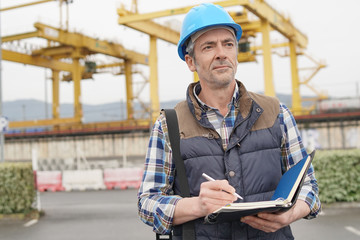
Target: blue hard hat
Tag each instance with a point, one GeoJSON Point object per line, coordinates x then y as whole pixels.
{"type": "Point", "coordinates": [203, 16]}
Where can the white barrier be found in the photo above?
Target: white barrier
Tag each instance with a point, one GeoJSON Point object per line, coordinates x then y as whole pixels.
{"type": "Point", "coordinates": [83, 179]}
{"type": "Point", "coordinates": [123, 177]}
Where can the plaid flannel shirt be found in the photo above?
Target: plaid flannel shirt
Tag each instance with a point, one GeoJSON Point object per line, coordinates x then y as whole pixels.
{"type": "Point", "coordinates": [156, 197]}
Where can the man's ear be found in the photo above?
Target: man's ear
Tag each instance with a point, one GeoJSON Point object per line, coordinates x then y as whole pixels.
{"type": "Point", "coordinates": [190, 62]}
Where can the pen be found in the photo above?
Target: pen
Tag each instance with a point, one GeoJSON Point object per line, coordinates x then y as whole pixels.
{"type": "Point", "coordinates": [207, 177]}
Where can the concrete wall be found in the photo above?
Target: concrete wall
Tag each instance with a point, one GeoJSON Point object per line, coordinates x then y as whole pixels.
{"type": "Point", "coordinates": [96, 147]}
{"type": "Point", "coordinates": [331, 135]}
{"type": "Point", "coordinates": [131, 148]}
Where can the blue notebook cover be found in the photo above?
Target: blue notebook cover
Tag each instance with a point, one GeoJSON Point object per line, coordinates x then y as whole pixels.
{"type": "Point", "coordinates": [288, 180]}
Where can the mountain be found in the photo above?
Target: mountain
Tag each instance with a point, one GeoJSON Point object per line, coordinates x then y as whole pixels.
{"type": "Point", "coordinates": [30, 109]}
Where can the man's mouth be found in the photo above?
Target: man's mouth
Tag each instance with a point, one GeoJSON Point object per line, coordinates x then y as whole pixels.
{"type": "Point", "coordinates": [221, 67]}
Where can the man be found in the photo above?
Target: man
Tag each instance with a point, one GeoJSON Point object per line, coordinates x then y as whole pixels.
{"type": "Point", "coordinates": [245, 140]}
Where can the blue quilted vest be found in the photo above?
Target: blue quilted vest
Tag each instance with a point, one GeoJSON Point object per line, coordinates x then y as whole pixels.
{"type": "Point", "coordinates": [251, 163]}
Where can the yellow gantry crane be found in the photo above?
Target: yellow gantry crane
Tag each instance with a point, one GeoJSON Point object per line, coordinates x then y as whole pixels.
{"type": "Point", "coordinates": [70, 52]}
{"type": "Point", "coordinates": [64, 52]}
{"type": "Point", "coordinates": [268, 20]}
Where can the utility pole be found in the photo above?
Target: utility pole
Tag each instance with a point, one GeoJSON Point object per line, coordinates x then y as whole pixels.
{"type": "Point", "coordinates": [2, 139]}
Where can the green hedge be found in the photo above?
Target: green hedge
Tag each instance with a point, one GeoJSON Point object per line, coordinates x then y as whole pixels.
{"type": "Point", "coordinates": [17, 188]}
{"type": "Point", "coordinates": [338, 175]}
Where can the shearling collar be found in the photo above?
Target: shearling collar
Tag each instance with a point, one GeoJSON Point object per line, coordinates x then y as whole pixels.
{"type": "Point", "coordinates": [243, 103]}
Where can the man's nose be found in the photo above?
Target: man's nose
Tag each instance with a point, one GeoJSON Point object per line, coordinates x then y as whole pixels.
{"type": "Point", "coordinates": [220, 52]}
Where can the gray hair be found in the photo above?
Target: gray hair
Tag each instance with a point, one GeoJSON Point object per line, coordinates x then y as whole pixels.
{"type": "Point", "coordinates": [190, 48]}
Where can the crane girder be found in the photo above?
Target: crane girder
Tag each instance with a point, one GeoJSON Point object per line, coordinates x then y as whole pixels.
{"type": "Point", "coordinates": [89, 75]}
{"type": "Point", "coordinates": [94, 45]}
{"type": "Point", "coordinates": [258, 7]}
{"type": "Point", "coordinates": [36, 60]}
{"type": "Point", "coordinates": [25, 5]}
{"type": "Point", "coordinates": [110, 65]}
{"type": "Point", "coordinates": [159, 31]}
{"type": "Point", "coordinates": [21, 36]}
{"type": "Point", "coordinates": [170, 12]}
{"type": "Point", "coordinates": [63, 51]}
{"type": "Point", "coordinates": [274, 45]}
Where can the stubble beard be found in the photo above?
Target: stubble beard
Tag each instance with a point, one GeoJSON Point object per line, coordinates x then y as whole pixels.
{"type": "Point", "coordinates": [219, 78]}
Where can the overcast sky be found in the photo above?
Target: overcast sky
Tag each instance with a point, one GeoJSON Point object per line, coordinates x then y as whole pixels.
{"type": "Point", "coordinates": [331, 28]}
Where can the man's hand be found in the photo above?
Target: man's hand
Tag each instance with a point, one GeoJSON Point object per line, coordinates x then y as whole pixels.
{"type": "Point", "coordinates": [212, 196]}
{"type": "Point", "coordinates": [271, 222]}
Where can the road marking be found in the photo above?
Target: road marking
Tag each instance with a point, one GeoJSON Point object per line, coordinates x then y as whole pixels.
{"type": "Point", "coordinates": [30, 223]}
{"type": "Point", "coordinates": [353, 230]}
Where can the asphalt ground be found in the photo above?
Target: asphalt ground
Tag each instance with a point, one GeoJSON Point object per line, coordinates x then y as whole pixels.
{"type": "Point", "coordinates": [112, 214]}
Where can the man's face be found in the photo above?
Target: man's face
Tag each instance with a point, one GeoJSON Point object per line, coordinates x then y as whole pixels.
{"type": "Point", "coordinates": [215, 58]}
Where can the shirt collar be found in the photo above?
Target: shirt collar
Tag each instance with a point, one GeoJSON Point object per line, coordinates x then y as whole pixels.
{"type": "Point", "coordinates": [197, 90]}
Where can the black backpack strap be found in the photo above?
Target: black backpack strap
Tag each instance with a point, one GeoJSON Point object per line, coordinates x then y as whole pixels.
{"type": "Point", "coordinates": [188, 228]}
{"type": "Point", "coordinates": [174, 136]}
